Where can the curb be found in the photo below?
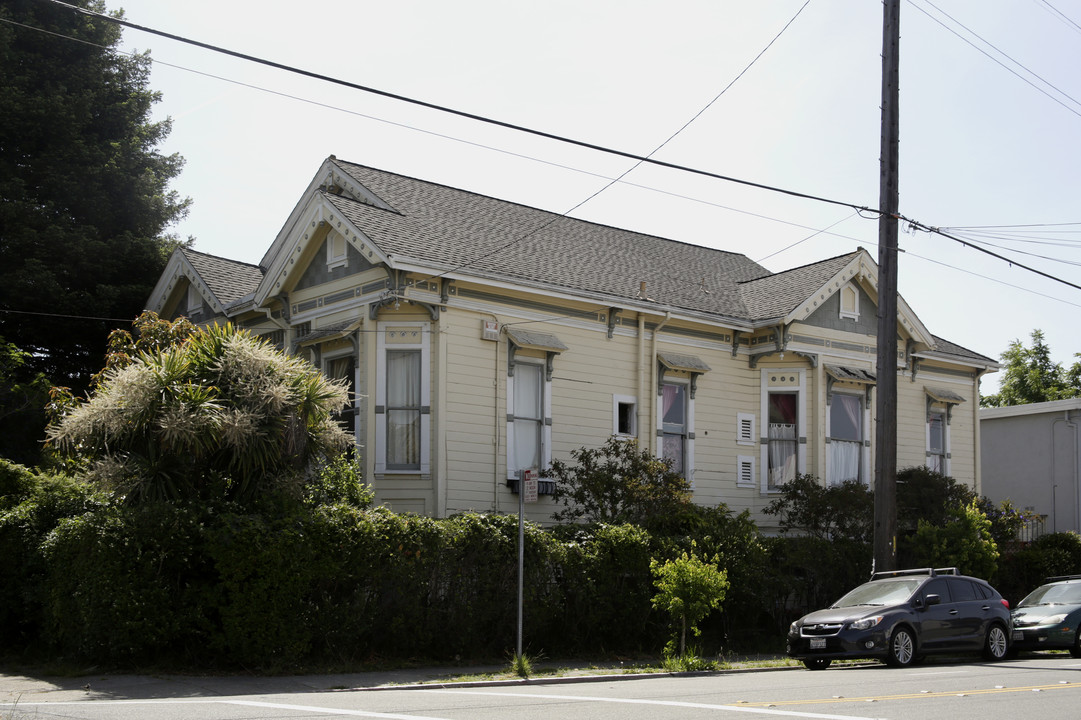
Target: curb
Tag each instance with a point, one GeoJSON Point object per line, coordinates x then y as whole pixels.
{"type": "Point", "coordinates": [564, 680]}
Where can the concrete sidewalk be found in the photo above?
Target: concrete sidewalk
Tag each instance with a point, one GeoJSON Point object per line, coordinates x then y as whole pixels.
{"type": "Point", "coordinates": [29, 688]}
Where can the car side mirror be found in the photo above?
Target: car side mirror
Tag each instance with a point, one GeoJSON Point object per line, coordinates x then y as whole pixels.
{"type": "Point", "coordinates": [930, 600]}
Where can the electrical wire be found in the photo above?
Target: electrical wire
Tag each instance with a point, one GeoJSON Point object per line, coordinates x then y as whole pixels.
{"type": "Point", "coordinates": [999, 63]}
{"type": "Point", "coordinates": [860, 209]}
{"type": "Point", "coordinates": [456, 112]}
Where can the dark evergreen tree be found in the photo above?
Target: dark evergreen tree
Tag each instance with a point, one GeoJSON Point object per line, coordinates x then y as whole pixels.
{"type": "Point", "coordinates": [84, 202]}
{"type": "Point", "coordinates": [1030, 376]}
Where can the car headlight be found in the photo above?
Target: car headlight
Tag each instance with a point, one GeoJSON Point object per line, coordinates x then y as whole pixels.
{"type": "Point", "coordinates": [1054, 620]}
{"type": "Point", "coordinates": [867, 623]}
{"type": "Point", "coordinates": [793, 629]}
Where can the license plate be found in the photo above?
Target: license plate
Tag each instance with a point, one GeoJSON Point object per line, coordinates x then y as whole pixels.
{"type": "Point", "coordinates": [1018, 635]}
{"type": "Point", "coordinates": [818, 643]}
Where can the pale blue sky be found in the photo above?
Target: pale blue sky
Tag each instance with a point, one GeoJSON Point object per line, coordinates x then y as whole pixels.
{"type": "Point", "coordinates": [989, 134]}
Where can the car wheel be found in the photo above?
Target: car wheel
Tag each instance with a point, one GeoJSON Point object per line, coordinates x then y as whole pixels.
{"type": "Point", "coordinates": [997, 645]}
{"type": "Point", "coordinates": [902, 648]}
{"type": "Point", "coordinates": [1075, 649]}
{"type": "Point", "coordinates": [817, 663]}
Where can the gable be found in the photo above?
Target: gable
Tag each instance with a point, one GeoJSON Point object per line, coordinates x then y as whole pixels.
{"type": "Point", "coordinates": [859, 314]}
{"type": "Point", "coordinates": [335, 258]}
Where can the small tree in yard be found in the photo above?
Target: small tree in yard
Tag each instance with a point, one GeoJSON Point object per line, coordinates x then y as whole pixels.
{"type": "Point", "coordinates": [617, 483]}
{"type": "Point", "coordinates": [687, 589]}
{"type": "Point", "coordinates": [221, 414]}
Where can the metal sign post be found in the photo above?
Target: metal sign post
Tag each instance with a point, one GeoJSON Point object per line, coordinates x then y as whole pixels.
{"type": "Point", "coordinates": [527, 486]}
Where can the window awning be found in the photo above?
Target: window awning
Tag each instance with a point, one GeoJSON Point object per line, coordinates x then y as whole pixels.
{"type": "Point", "coordinates": [943, 395]}
{"type": "Point", "coordinates": [853, 375]}
{"type": "Point", "coordinates": [531, 340]}
{"type": "Point", "coordinates": [686, 363]}
{"type": "Point", "coordinates": [330, 332]}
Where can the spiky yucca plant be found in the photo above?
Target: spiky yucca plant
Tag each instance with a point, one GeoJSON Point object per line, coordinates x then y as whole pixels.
{"type": "Point", "coordinates": [221, 414]}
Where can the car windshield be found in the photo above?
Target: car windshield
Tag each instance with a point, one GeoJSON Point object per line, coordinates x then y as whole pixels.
{"type": "Point", "coordinates": [880, 592]}
{"type": "Point", "coordinates": [1066, 594]}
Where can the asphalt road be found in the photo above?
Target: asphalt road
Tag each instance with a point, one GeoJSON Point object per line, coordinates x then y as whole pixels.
{"type": "Point", "coordinates": [1035, 686]}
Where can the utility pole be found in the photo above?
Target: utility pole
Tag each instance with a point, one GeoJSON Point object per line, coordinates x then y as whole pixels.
{"type": "Point", "coordinates": [885, 527]}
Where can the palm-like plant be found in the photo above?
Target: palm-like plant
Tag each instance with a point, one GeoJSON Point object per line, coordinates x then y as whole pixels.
{"type": "Point", "coordinates": [220, 413]}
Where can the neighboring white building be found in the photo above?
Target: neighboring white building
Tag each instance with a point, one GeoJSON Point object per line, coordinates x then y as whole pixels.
{"type": "Point", "coordinates": [1031, 456]}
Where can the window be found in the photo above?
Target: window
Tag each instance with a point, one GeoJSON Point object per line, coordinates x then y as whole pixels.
{"type": "Point", "coordinates": [336, 251]}
{"type": "Point", "coordinates": [402, 405]}
{"type": "Point", "coordinates": [674, 425]}
{"type": "Point", "coordinates": [783, 442]}
{"type": "Point", "coordinates": [528, 416]}
{"type": "Point", "coordinates": [624, 416]}
{"type": "Point", "coordinates": [344, 367]}
{"type": "Point", "coordinates": [845, 438]}
{"type": "Point", "coordinates": [783, 438]}
{"type": "Point", "coordinates": [403, 409]}
{"type": "Point", "coordinates": [850, 303]}
{"type": "Point", "coordinates": [936, 441]}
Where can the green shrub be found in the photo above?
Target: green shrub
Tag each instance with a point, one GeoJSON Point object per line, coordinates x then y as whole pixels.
{"type": "Point", "coordinates": [31, 507]}
{"type": "Point", "coordinates": [117, 583]}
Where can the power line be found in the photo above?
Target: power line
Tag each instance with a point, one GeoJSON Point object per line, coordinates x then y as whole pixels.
{"type": "Point", "coordinates": [991, 57]}
{"type": "Point", "coordinates": [641, 159]}
{"type": "Point", "coordinates": [459, 113]}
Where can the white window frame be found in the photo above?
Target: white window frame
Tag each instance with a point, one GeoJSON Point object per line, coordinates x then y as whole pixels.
{"type": "Point", "coordinates": [419, 333]}
{"type": "Point", "coordinates": [854, 312]}
{"type": "Point", "coordinates": [355, 380]}
{"type": "Point", "coordinates": [790, 380]}
{"type": "Point", "coordinates": [688, 441]}
{"type": "Point", "coordinates": [945, 456]}
{"type": "Point", "coordinates": [632, 402]}
{"type": "Point", "coordinates": [337, 259]}
{"type": "Point", "coordinates": [546, 417]}
{"type": "Point", "coordinates": [864, 450]}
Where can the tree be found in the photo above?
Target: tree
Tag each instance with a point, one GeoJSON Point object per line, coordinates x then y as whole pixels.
{"type": "Point", "coordinates": [23, 396]}
{"type": "Point", "coordinates": [829, 513]}
{"type": "Point", "coordinates": [617, 483]}
{"type": "Point", "coordinates": [1030, 376]}
{"type": "Point", "coordinates": [221, 415]}
{"type": "Point", "coordinates": [85, 196]}
{"type": "Point", "coordinates": [688, 587]}
{"type": "Point", "coordinates": [964, 542]}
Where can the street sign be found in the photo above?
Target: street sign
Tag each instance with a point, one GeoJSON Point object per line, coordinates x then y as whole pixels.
{"type": "Point", "coordinates": [529, 486]}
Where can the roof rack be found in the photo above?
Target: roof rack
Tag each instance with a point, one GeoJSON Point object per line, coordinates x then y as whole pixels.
{"type": "Point", "coordinates": [1060, 578]}
{"type": "Point", "coordinates": [916, 571]}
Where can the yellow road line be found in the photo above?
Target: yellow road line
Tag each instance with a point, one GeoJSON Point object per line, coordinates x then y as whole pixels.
{"type": "Point", "coordinates": [913, 696]}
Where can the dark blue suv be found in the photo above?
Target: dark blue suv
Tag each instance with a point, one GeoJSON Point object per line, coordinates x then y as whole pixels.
{"type": "Point", "coordinates": [903, 615]}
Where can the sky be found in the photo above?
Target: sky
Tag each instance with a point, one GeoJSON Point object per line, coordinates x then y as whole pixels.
{"type": "Point", "coordinates": [781, 93]}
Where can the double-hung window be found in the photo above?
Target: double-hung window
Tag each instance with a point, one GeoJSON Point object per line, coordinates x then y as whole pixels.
{"type": "Point", "coordinates": [783, 439]}
{"type": "Point", "coordinates": [403, 409]}
{"type": "Point", "coordinates": [343, 367]}
{"type": "Point", "coordinates": [674, 425]}
{"type": "Point", "coordinates": [936, 441]}
{"type": "Point", "coordinates": [402, 399]}
{"type": "Point", "coordinates": [528, 416]}
{"type": "Point", "coordinates": [846, 438]}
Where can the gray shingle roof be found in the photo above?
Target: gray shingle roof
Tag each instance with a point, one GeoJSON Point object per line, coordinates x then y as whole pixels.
{"type": "Point", "coordinates": [460, 232]}
{"type": "Point", "coordinates": [229, 280]}
{"type": "Point", "coordinates": [777, 295]}
{"type": "Point", "coordinates": [453, 229]}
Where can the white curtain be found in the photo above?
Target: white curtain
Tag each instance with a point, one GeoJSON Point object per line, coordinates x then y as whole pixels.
{"type": "Point", "coordinates": [844, 461]}
{"type": "Point", "coordinates": [846, 438]}
{"type": "Point", "coordinates": [782, 453]}
{"type": "Point", "coordinates": [528, 416]}
{"type": "Point", "coordinates": [403, 408]}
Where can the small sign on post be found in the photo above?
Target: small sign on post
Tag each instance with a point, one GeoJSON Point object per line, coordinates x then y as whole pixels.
{"type": "Point", "coordinates": [529, 486]}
